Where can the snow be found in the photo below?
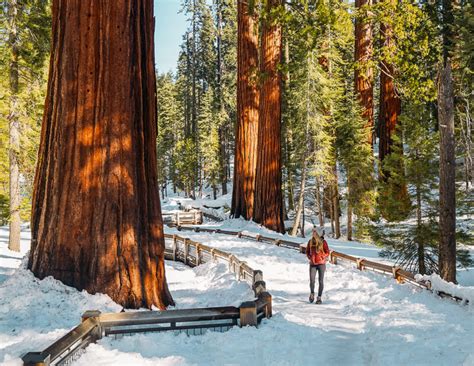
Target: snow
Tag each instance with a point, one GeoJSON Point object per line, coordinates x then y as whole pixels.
{"type": "Point", "coordinates": [34, 313]}
{"type": "Point", "coordinates": [437, 284]}
{"type": "Point", "coordinates": [365, 318]}
{"type": "Point", "coordinates": [218, 208]}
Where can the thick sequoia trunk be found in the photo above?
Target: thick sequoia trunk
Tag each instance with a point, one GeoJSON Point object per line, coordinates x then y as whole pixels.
{"type": "Point", "coordinates": [447, 181]}
{"type": "Point", "coordinates": [389, 112]}
{"type": "Point", "coordinates": [268, 209]}
{"type": "Point", "coordinates": [96, 217]}
{"type": "Point", "coordinates": [364, 77]}
{"type": "Point", "coordinates": [14, 132]}
{"type": "Point", "coordinates": [247, 112]}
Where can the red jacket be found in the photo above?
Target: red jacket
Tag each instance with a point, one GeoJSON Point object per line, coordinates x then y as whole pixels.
{"type": "Point", "coordinates": [317, 257]}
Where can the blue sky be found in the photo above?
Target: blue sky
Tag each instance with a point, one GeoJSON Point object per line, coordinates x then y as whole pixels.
{"type": "Point", "coordinates": [169, 29]}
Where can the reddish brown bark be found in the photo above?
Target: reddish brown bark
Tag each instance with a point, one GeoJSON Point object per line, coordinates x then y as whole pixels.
{"type": "Point", "coordinates": [364, 75]}
{"type": "Point", "coordinates": [96, 218]}
{"type": "Point", "coordinates": [268, 209]}
{"type": "Point", "coordinates": [389, 112]}
{"type": "Point", "coordinates": [247, 110]}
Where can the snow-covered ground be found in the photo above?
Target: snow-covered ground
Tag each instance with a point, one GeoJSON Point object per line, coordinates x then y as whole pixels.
{"type": "Point", "coordinates": [365, 319]}
{"type": "Point", "coordinates": [35, 313]}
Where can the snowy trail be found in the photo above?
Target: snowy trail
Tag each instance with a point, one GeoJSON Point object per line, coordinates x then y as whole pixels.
{"type": "Point", "coordinates": [366, 319]}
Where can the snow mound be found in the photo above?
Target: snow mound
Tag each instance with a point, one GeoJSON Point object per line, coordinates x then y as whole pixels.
{"type": "Point", "coordinates": [438, 284]}
{"type": "Point", "coordinates": [34, 313]}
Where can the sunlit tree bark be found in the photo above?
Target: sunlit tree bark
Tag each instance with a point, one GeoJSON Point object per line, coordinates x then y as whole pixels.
{"type": "Point", "coordinates": [268, 208]}
{"type": "Point", "coordinates": [96, 218]}
{"type": "Point", "coordinates": [247, 114]}
{"type": "Point", "coordinates": [364, 74]}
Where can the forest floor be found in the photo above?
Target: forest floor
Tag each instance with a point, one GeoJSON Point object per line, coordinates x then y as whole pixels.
{"type": "Point", "coordinates": [365, 318]}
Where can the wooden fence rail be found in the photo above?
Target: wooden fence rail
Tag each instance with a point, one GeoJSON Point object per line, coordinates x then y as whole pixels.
{"type": "Point", "coordinates": [193, 217]}
{"type": "Point", "coordinates": [398, 273]}
{"type": "Point", "coordinates": [96, 325]}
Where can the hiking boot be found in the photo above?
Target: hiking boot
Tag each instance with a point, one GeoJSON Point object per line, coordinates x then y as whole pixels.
{"type": "Point", "coordinates": [318, 300]}
{"type": "Point", "coordinates": [311, 297]}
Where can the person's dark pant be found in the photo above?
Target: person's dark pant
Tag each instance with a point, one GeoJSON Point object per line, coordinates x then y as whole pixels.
{"type": "Point", "coordinates": [321, 268]}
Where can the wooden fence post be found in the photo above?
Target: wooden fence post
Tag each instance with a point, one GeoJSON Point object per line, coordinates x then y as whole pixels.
{"type": "Point", "coordinates": [198, 255]}
{"type": "Point", "coordinates": [36, 359]}
{"type": "Point", "coordinates": [175, 247]}
{"type": "Point", "coordinates": [231, 259]}
{"type": "Point", "coordinates": [248, 313]}
{"type": "Point", "coordinates": [213, 256]}
{"type": "Point", "coordinates": [186, 250]}
{"type": "Point", "coordinates": [257, 276]}
{"type": "Point", "coordinates": [259, 287]}
{"type": "Point", "coordinates": [396, 275]}
{"type": "Point", "coordinates": [266, 297]}
{"type": "Point", "coordinates": [359, 264]}
{"type": "Point", "coordinates": [332, 258]}
{"type": "Point", "coordinates": [90, 314]}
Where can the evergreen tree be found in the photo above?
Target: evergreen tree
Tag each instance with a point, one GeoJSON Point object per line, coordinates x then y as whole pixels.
{"type": "Point", "coordinates": [169, 117]}
{"type": "Point", "coordinates": [23, 46]}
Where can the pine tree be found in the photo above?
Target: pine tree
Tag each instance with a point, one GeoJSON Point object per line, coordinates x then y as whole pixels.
{"type": "Point", "coordinates": [394, 193]}
{"type": "Point", "coordinates": [24, 46]}
{"type": "Point", "coordinates": [169, 117]}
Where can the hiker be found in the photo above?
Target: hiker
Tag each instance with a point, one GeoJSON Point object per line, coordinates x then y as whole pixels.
{"type": "Point", "coordinates": [317, 251]}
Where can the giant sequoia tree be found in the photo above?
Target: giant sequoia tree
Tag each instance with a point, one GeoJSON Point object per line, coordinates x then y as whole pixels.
{"type": "Point", "coordinates": [247, 114]}
{"type": "Point", "coordinates": [364, 74]}
{"type": "Point", "coordinates": [268, 209]}
{"type": "Point", "coordinates": [96, 221]}
{"type": "Point", "coordinates": [395, 192]}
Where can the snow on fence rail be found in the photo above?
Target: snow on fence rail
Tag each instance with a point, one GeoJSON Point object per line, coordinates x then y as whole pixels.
{"type": "Point", "coordinates": [96, 325]}
{"type": "Point", "coordinates": [398, 273]}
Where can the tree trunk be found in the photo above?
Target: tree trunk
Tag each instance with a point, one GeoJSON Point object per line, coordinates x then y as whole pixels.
{"type": "Point", "coordinates": [420, 242]}
{"type": "Point", "coordinates": [296, 223]}
{"type": "Point", "coordinates": [390, 103]}
{"type": "Point", "coordinates": [389, 108]}
{"type": "Point", "coordinates": [319, 204]}
{"type": "Point", "coordinates": [466, 133]}
{"type": "Point", "coordinates": [14, 132]}
{"type": "Point", "coordinates": [96, 217]}
{"type": "Point", "coordinates": [247, 114]}
{"type": "Point", "coordinates": [447, 181]}
{"type": "Point", "coordinates": [364, 75]}
{"type": "Point", "coordinates": [222, 135]}
{"type": "Point", "coordinates": [268, 209]}
{"type": "Point", "coordinates": [349, 210]}
{"type": "Point", "coordinates": [335, 204]}
{"type": "Point", "coordinates": [289, 171]}
{"type": "Point", "coordinates": [331, 211]}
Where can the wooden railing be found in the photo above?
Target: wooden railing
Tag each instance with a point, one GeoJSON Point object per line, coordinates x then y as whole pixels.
{"type": "Point", "coordinates": [96, 325]}
{"type": "Point", "coordinates": [193, 217]}
{"type": "Point", "coordinates": [398, 273]}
